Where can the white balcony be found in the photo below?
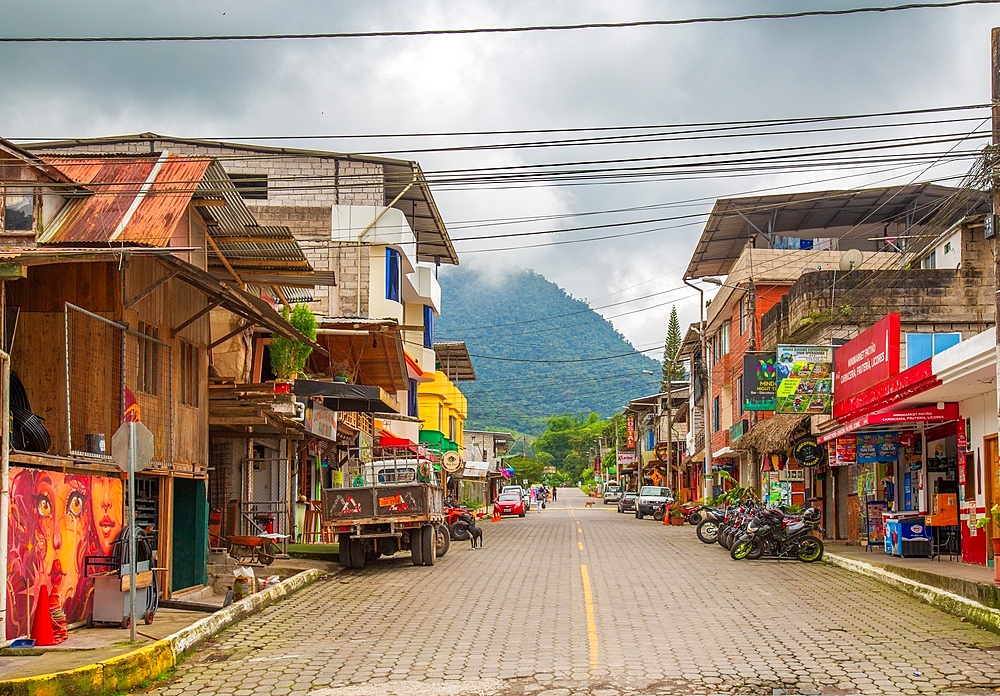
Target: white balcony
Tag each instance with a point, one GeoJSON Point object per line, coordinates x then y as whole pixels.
{"type": "Point", "coordinates": [392, 229]}
{"type": "Point", "coordinates": [422, 287]}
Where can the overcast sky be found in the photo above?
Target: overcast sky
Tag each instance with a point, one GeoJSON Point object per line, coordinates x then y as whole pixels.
{"type": "Point", "coordinates": [665, 75]}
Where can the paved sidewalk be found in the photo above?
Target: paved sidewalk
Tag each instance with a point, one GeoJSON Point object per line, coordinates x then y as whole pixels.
{"type": "Point", "coordinates": [575, 600]}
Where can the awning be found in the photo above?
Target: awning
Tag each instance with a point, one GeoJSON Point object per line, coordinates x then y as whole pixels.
{"type": "Point", "coordinates": [476, 470]}
{"type": "Point", "coordinates": [922, 414]}
{"type": "Point", "coordinates": [724, 452]}
{"type": "Point", "coordinates": [371, 349]}
{"type": "Point", "coordinates": [772, 434]}
{"type": "Point", "coordinates": [338, 396]}
{"type": "Point", "coordinates": [454, 361]}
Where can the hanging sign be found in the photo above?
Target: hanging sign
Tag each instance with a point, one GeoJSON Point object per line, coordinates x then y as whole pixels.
{"type": "Point", "coordinates": [630, 430]}
{"type": "Point", "coordinates": [847, 450]}
{"type": "Point", "coordinates": [961, 442]}
{"type": "Point", "coordinates": [808, 452]}
{"type": "Point", "coordinates": [760, 382]}
{"type": "Point", "coordinates": [805, 379]}
{"type": "Point", "coordinates": [869, 359]}
{"type": "Point", "coordinates": [625, 459]}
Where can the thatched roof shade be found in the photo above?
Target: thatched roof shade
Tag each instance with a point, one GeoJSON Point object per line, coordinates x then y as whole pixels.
{"type": "Point", "coordinates": [773, 434]}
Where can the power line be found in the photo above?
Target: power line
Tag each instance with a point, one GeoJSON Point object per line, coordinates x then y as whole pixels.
{"type": "Point", "coordinates": [496, 30]}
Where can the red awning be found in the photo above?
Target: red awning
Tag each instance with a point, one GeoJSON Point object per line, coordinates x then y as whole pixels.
{"type": "Point", "coordinates": [921, 414]}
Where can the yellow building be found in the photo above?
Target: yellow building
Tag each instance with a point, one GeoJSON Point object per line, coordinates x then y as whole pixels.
{"type": "Point", "coordinates": [442, 407]}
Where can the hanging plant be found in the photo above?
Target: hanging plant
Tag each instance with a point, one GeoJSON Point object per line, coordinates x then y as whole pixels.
{"type": "Point", "coordinates": [289, 356]}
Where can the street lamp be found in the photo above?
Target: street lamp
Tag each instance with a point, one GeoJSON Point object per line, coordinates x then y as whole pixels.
{"type": "Point", "coordinates": [707, 388]}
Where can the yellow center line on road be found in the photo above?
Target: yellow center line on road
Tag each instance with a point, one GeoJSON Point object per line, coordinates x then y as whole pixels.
{"type": "Point", "coordinates": [579, 545]}
{"type": "Point", "coordinates": [579, 531]}
{"type": "Point", "coordinates": [588, 600]}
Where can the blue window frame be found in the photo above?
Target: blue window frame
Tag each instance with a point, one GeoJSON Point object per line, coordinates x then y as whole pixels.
{"type": "Point", "coordinates": [392, 275]}
{"type": "Point", "coordinates": [428, 326]}
{"type": "Point", "coordinates": [921, 346]}
{"type": "Point", "coordinates": [650, 441]}
{"type": "Point", "coordinates": [715, 415]}
{"type": "Point", "coordinates": [411, 400]}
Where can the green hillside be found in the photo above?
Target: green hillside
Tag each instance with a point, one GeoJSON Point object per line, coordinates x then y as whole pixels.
{"type": "Point", "coordinates": [527, 317]}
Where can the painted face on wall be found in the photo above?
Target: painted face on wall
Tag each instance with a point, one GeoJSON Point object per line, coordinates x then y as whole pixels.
{"type": "Point", "coordinates": [108, 510]}
{"type": "Point", "coordinates": [62, 504]}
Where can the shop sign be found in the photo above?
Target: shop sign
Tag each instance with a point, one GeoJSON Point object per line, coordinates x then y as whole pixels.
{"type": "Point", "coordinates": [737, 430]}
{"type": "Point", "coordinates": [961, 442]}
{"type": "Point", "coordinates": [548, 470]}
{"type": "Point", "coordinates": [923, 414]}
{"type": "Point", "coordinates": [846, 450]}
{"type": "Point", "coordinates": [878, 447]}
{"type": "Point", "coordinates": [792, 475]}
{"type": "Point", "coordinates": [321, 421]}
{"type": "Point", "coordinates": [805, 379]}
{"type": "Point", "coordinates": [869, 359]}
{"type": "Point", "coordinates": [760, 382]}
{"type": "Point", "coordinates": [808, 452]}
{"type": "Point", "coordinates": [625, 459]}
{"type": "Point", "coordinates": [597, 466]}
{"type": "Point", "coordinates": [630, 430]}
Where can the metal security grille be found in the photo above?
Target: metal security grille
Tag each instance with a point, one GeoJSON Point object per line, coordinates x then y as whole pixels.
{"type": "Point", "coordinates": [265, 506]}
{"type": "Point", "coordinates": [103, 360]}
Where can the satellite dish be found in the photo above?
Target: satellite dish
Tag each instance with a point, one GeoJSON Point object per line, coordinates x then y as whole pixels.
{"type": "Point", "coordinates": [451, 462]}
{"type": "Point", "coordinates": [851, 259]}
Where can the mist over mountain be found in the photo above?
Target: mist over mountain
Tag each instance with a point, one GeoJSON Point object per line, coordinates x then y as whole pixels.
{"type": "Point", "coordinates": [522, 316]}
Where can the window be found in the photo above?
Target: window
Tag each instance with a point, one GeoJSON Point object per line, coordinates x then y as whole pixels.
{"type": "Point", "coordinates": [743, 316]}
{"type": "Point", "coordinates": [452, 428]}
{"type": "Point", "coordinates": [428, 326]}
{"type": "Point", "coordinates": [250, 186]}
{"type": "Point", "coordinates": [739, 390]}
{"type": "Point", "coordinates": [947, 247]}
{"type": "Point", "coordinates": [921, 346]}
{"type": "Point", "coordinates": [189, 374]}
{"type": "Point", "coordinates": [149, 359]}
{"type": "Point", "coordinates": [722, 341]}
{"type": "Point", "coordinates": [930, 262]}
{"type": "Point", "coordinates": [18, 210]}
{"type": "Point", "coordinates": [715, 415]}
{"type": "Point", "coordinates": [392, 274]}
{"type": "Point", "coordinates": [411, 399]}
{"type": "Point", "coordinates": [651, 441]}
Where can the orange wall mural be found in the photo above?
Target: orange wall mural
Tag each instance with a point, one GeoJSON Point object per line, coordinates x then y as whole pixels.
{"type": "Point", "coordinates": [56, 520]}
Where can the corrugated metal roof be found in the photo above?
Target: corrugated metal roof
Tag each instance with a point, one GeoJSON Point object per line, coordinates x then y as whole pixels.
{"type": "Point", "coordinates": [137, 200]}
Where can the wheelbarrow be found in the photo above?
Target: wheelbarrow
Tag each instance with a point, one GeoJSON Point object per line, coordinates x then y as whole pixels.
{"type": "Point", "coordinates": [260, 549]}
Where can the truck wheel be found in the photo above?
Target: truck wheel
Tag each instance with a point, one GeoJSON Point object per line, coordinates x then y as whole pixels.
{"type": "Point", "coordinates": [427, 545]}
{"type": "Point", "coordinates": [357, 553]}
{"type": "Point", "coordinates": [443, 539]}
{"type": "Point", "coordinates": [416, 547]}
{"type": "Point", "coordinates": [345, 550]}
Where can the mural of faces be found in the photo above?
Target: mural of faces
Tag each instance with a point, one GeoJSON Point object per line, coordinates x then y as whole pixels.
{"type": "Point", "coordinates": [56, 520]}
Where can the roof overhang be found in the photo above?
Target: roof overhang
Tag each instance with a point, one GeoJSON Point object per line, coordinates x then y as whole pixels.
{"type": "Point", "coordinates": [372, 349]}
{"type": "Point", "coordinates": [338, 396]}
{"type": "Point", "coordinates": [454, 361]}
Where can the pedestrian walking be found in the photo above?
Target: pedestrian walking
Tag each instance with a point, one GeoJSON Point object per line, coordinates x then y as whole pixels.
{"type": "Point", "coordinates": [554, 489]}
{"type": "Point", "coordinates": [539, 498]}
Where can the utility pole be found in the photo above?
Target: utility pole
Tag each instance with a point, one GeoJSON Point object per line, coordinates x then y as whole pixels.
{"type": "Point", "coordinates": [670, 424]}
{"type": "Point", "coordinates": [706, 391]}
{"type": "Point", "coordinates": [995, 172]}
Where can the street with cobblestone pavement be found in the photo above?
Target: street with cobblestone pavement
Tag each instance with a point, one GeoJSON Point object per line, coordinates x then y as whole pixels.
{"type": "Point", "coordinates": [575, 600]}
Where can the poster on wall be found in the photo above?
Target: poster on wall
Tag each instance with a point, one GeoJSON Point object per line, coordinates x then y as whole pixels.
{"type": "Point", "coordinates": [55, 521]}
{"type": "Point", "coordinates": [760, 382]}
{"type": "Point", "coordinates": [805, 379]}
{"type": "Point", "coordinates": [847, 450]}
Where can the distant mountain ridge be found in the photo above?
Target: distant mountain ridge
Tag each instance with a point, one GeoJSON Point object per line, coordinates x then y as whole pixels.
{"type": "Point", "coordinates": [527, 317]}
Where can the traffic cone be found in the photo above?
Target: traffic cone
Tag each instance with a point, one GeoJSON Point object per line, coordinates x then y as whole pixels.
{"type": "Point", "coordinates": [666, 517]}
{"type": "Point", "coordinates": [41, 625]}
{"type": "Point", "coordinates": [496, 514]}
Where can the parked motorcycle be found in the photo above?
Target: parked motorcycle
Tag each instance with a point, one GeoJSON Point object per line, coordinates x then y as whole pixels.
{"type": "Point", "coordinates": [771, 532]}
{"type": "Point", "coordinates": [708, 528]}
{"type": "Point", "coordinates": [458, 519]}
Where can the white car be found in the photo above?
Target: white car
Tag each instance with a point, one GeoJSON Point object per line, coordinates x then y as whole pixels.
{"type": "Point", "coordinates": [523, 492]}
{"type": "Point", "coordinates": [650, 498]}
{"type": "Point", "coordinates": [612, 494]}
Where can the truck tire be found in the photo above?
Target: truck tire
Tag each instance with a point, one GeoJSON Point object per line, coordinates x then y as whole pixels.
{"type": "Point", "coordinates": [427, 543]}
{"type": "Point", "coordinates": [443, 539]}
{"type": "Point", "coordinates": [416, 547]}
{"type": "Point", "coordinates": [345, 550]}
{"type": "Point", "coordinates": [357, 553]}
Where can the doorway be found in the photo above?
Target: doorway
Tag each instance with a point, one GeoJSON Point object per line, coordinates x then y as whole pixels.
{"type": "Point", "coordinates": [190, 537]}
{"type": "Point", "coordinates": [992, 476]}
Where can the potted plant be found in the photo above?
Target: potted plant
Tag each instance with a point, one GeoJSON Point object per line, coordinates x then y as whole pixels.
{"type": "Point", "coordinates": [676, 515]}
{"type": "Point", "coordinates": [289, 356]}
{"type": "Point", "coordinates": [994, 517]}
{"type": "Point", "coordinates": [341, 371]}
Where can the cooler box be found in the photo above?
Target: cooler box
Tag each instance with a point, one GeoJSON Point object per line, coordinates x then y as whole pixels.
{"type": "Point", "coordinates": [907, 536]}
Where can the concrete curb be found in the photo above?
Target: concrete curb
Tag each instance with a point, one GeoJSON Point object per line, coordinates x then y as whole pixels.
{"type": "Point", "coordinates": [125, 672]}
{"type": "Point", "coordinates": [980, 615]}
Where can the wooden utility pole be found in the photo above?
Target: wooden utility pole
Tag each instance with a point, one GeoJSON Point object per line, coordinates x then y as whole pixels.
{"type": "Point", "coordinates": [995, 178]}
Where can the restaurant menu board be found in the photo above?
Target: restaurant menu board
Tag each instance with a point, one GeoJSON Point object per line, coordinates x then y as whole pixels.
{"type": "Point", "coordinates": [875, 521]}
{"type": "Point", "coordinates": [878, 447]}
{"type": "Point", "coordinates": [805, 379]}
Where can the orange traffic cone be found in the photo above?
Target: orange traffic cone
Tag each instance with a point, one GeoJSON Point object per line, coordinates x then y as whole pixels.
{"type": "Point", "coordinates": [666, 517]}
{"type": "Point", "coordinates": [41, 625]}
{"type": "Point", "coordinates": [496, 514]}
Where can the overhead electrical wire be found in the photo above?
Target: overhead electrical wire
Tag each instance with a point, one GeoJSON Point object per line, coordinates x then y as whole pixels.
{"type": "Point", "coordinates": [499, 30]}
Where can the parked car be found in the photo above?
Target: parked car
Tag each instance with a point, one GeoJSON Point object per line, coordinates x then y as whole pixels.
{"type": "Point", "coordinates": [650, 498]}
{"type": "Point", "coordinates": [510, 504]}
{"type": "Point", "coordinates": [627, 502]}
{"type": "Point", "coordinates": [523, 492]}
{"type": "Point", "coordinates": [612, 494]}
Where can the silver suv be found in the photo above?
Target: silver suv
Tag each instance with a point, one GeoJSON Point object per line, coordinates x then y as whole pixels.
{"type": "Point", "coordinates": [650, 498]}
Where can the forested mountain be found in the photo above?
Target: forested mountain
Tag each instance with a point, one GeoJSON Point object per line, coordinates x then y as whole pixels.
{"type": "Point", "coordinates": [523, 316]}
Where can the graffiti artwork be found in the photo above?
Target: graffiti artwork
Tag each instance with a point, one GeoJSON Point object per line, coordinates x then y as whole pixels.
{"type": "Point", "coordinates": [55, 521]}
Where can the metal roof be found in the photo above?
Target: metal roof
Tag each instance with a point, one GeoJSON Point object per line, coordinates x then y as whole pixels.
{"type": "Point", "coordinates": [417, 204]}
{"type": "Point", "coordinates": [850, 216]}
{"type": "Point", "coordinates": [138, 200]}
{"type": "Point", "coordinates": [454, 361]}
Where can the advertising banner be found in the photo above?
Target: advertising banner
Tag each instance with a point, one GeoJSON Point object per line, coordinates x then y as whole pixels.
{"type": "Point", "coordinates": [869, 359]}
{"type": "Point", "coordinates": [805, 379]}
{"type": "Point", "coordinates": [630, 430]}
{"type": "Point", "coordinates": [877, 447]}
{"type": "Point", "coordinates": [760, 382]}
{"type": "Point", "coordinates": [626, 459]}
{"type": "Point", "coordinates": [847, 450]}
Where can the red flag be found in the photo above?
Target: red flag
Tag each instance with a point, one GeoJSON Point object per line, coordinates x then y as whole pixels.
{"type": "Point", "coordinates": [132, 411]}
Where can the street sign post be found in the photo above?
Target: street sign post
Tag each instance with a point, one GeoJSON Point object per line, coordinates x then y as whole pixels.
{"type": "Point", "coordinates": [132, 450]}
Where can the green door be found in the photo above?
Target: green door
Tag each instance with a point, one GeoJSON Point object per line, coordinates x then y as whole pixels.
{"type": "Point", "coordinates": [190, 545]}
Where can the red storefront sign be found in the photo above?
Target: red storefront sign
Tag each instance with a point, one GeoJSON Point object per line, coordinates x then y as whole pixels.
{"type": "Point", "coordinates": [922, 414]}
{"type": "Point", "coordinates": [871, 358]}
{"type": "Point", "coordinates": [630, 431]}
{"type": "Point", "coordinates": [915, 380]}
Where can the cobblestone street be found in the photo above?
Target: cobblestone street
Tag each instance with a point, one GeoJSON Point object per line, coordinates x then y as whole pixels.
{"type": "Point", "coordinates": [583, 600]}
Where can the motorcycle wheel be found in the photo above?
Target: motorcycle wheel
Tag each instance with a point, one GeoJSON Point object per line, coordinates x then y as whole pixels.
{"type": "Point", "coordinates": [695, 518]}
{"type": "Point", "coordinates": [741, 549]}
{"type": "Point", "coordinates": [810, 550]}
{"type": "Point", "coordinates": [757, 551]}
{"type": "Point", "coordinates": [725, 538]}
{"type": "Point", "coordinates": [708, 532]}
{"type": "Point", "coordinates": [658, 514]}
